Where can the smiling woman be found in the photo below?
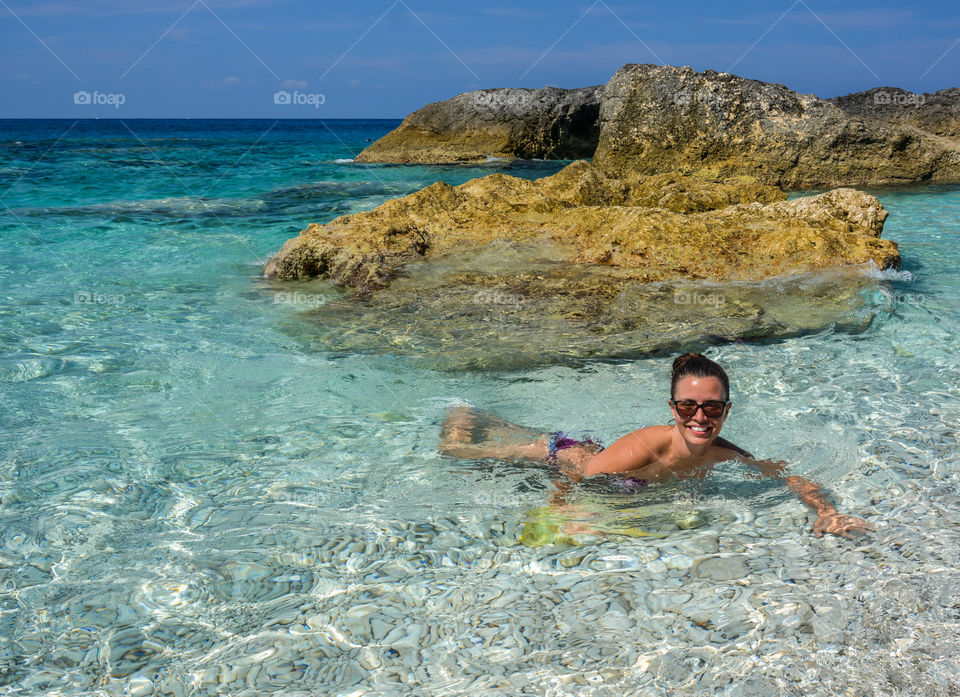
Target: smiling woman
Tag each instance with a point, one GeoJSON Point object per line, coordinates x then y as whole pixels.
{"type": "Point", "coordinates": [699, 402]}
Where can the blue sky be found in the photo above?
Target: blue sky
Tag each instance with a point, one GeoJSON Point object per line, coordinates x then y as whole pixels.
{"type": "Point", "coordinates": [385, 58]}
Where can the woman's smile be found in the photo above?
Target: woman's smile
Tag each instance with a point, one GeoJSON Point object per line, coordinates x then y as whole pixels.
{"type": "Point", "coordinates": [699, 430]}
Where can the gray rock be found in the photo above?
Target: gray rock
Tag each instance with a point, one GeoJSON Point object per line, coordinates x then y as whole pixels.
{"type": "Point", "coordinates": [721, 568]}
{"type": "Point", "coordinates": [677, 562]}
{"type": "Point", "coordinates": [704, 543]}
{"type": "Point", "coordinates": [547, 123]}
{"type": "Point", "coordinates": [661, 118]}
{"type": "Point", "coordinates": [380, 628]}
{"type": "Point", "coordinates": [937, 113]}
{"type": "Point", "coordinates": [671, 602]}
{"type": "Point", "coordinates": [827, 631]}
{"type": "Point", "coordinates": [653, 119]}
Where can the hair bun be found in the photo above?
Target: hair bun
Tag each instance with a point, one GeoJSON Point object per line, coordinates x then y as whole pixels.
{"type": "Point", "coordinates": [697, 365]}
{"type": "Point", "coordinates": [680, 361]}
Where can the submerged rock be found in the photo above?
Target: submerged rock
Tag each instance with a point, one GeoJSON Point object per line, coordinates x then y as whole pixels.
{"type": "Point", "coordinates": [548, 123]}
{"type": "Point", "coordinates": [508, 306]}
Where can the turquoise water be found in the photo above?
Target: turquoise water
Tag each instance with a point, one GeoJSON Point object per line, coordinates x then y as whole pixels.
{"type": "Point", "coordinates": [196, 500]}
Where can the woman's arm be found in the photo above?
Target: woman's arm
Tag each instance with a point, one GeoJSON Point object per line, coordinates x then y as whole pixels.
{"type": "Point", "coordinates": [632, 451]}
{"type": "Point", "coordinates": [812, 494]}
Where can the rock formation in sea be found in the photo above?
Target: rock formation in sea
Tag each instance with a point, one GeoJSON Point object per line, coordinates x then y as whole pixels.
{"type": "Point", "coordinates": [644, 228]}
{"type": "Point", "coordinates": [677, 230]}
{"type": "Point", "coordinates": [548, 123]}
{"type": "Point", "coordinates": [937, 113]}
{"type": "Point", "coordinates": [654, 119]}
{"type": "Point", "coordinates": [502, 271]}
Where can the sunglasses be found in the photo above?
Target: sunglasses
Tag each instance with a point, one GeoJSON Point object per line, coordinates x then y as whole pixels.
{"type": "Point", "coordinates": [712, 409]}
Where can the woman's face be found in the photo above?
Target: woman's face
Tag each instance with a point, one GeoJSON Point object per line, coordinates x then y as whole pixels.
{"type": "Point", "coordinates": [699, 429]}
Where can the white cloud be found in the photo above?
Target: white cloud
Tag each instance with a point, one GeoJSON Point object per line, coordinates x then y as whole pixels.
{"type": "Point", "coordinates": [293, 85]}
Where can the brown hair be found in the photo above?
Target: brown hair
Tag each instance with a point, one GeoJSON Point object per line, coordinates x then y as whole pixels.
{"type": "Point", "coordinates": [699, 366]}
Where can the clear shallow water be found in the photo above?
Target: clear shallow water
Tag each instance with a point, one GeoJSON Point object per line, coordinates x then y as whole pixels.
{"type": "Point", "coordinates": [192, 501]}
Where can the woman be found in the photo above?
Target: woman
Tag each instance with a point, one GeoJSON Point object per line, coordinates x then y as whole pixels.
{"type": "Point", "coordinates": [699, 402]}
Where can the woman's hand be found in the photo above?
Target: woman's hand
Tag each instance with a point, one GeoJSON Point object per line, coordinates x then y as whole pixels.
{"type": "Point", "coordinates": [829, 520]}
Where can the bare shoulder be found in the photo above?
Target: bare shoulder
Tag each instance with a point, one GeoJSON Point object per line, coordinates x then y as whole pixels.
{"type": "Point", "coordinates": [655, 439]}
{"type": "Point", "coordinates": [732, 450]}
{"type": "Point", "coordinates": [653, 433]}
{"type": "Point", "coordinates": [632, 451]}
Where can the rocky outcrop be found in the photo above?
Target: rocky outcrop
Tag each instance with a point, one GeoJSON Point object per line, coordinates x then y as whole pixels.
{"type": "Point", "coordinates": [584, 184]}
{"type": "Point", "coordinates": [653, 119]}
{"type": "Point", "coordinates": [678, 230]}
{"type": "Point", "coordinates": [548, 123]}
{"type": "Point", "coordinates": [518, 277]}
{"type": "Point", "coordinates": [591, 218]}
{"type": "Point", "coordinates": [938, 113]}
{"type": "Point", "coordinates": [502, 272]}
{"type": "Point", "coordinates": [661, 118]}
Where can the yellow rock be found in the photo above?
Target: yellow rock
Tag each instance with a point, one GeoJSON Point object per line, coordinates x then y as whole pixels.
{"type": "Point", "coordinates": [657, 228]}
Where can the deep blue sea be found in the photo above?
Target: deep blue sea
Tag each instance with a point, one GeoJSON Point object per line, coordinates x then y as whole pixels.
{"type": "Point", "coordinates": [194, 500]}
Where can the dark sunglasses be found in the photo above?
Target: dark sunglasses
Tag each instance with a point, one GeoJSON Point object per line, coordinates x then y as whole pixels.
{"type": "Point", "coordinates": [712, 409]}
